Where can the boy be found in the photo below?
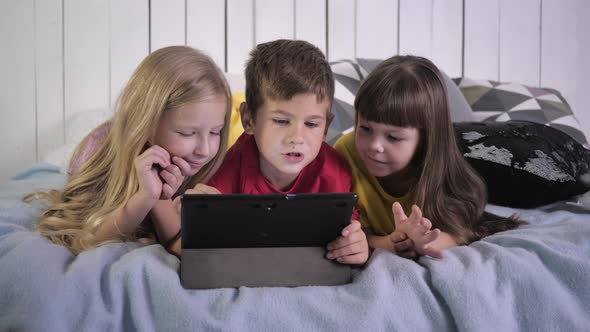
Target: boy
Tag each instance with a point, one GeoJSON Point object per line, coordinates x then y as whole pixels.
{"type": "Point", "coordinates": [289, 92]}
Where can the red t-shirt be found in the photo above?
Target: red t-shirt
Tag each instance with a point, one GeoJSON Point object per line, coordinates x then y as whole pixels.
{"type": "Point", "coordinates": [240, 172]}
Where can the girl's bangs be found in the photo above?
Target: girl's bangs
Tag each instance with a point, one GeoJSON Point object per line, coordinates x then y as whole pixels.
{"type": "Point", "coordinates": [400, 104]}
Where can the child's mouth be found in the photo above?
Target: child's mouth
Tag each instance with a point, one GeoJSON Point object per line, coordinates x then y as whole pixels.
{"type": "Point", "coordinates": [294, 157]}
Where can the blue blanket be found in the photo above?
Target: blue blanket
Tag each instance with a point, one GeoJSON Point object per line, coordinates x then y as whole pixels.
{"type": "Point", "coordinates": [532, 278]}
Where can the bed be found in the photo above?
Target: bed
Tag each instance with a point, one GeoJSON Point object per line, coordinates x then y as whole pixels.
{"type": "Point", "coordinates": [532, 278]}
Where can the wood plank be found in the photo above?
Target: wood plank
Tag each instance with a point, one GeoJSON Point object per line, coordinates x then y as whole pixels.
{"type": "Point", "coordinates": [240, 34]}
{"type": "Point", "coordinates": [17, 87]}
{"type": "Point", "coordinates": [167, 23]}
{"type": "Point", "coordinates": [129, 41]}
{"type": "Point", "coordinates": [559, 46]}
{"type": "Point", "coordinates": [482, 26]}
{"type": "Point", "coordinates": [49, 73]}
{"type": "Point", "coordinates": [376, 29]}
{"type": "Point", "coordinates": [310, 22]}
{"type": "Point", "coordinates": [206, 28]}
{"type": "Point", "coordinates": [416, 27]}
{"type": "Point", "coordinates": [274, 19]}
{"type": "Point", "coordinates": [341, 30]}
{"type": "Point", "coordinates": [447, 36]}
{"type": "Point", "coordinates": [580, 99]}
{"type": "Point", "coordinates": [520, 41]}
{"type": "Point", "coordinates": [86, 59]}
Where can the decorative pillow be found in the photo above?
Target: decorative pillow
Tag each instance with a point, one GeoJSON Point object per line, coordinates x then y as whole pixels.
{"type": "Point", "coordinates": [524, 164]}
{"type": "Point", "coordinates": [348, 76]}
{"type": "Point", "coordinates": [496, 101]}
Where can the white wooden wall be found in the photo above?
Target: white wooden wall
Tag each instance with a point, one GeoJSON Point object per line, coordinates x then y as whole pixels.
{"type": "Point", "coordinates": [63, 57]}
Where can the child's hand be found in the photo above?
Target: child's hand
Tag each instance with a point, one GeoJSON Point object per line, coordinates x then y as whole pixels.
{"type": "Point", "coordinates": [198, 189]}
{"type": "Point", "coordinates": [147, 167]}
{"type": "Point", "coordinates": [351, 247]}
{"type": "Point", "coordinates": [203, 189]}
{"type": "Point", "coordinates": [417, 228]}
{"type": "Point", "coordinates": [173, 177]}
{"type": "Point", "coordinates": [402, 245]}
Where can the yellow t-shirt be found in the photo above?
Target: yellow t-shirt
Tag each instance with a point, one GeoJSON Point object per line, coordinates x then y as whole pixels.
{"type": "Point", "coordinates": [235, 124]}
{"type": "Point", "coordinates": [374, 202]}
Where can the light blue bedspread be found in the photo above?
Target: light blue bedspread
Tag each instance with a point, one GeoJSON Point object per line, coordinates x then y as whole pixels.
{"type": "Point", "coordinates": [531, 279]}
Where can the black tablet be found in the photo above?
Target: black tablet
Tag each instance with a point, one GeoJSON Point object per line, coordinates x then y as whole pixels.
{"type": "Point", "coordinates": [261, 221]}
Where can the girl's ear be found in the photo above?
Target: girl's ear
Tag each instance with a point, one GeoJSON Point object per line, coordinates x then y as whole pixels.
{"type": "Point", "coordinates": [247, 119]}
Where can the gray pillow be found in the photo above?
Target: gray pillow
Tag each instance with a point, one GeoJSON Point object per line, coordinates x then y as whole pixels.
{"type": "Point", "coordinates": [458, 106]}
{"type": "Point", "coordinates": [348, 75]}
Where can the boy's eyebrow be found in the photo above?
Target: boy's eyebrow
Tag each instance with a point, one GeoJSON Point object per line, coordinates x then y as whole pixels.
{"type": "Point", "coordinates": [279, 111]}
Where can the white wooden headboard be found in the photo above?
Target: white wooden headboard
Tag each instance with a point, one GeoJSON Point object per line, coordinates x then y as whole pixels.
{"type": "Point", "coordinates": [61, 57]}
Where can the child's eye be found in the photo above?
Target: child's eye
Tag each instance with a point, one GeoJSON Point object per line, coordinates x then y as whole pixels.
{"type": "Point", "coordinates": [393, 138]}
{"type": "Point", "coordinates": [364, 128]}
{"type": "Point", "coordinates": [311, 124]}
{"type": "Point", "coordinates": [186, 134]}
{"type": "Point", "coordinates": [281, 122]}
{"type": "Point", "coordinates": [215, 133]}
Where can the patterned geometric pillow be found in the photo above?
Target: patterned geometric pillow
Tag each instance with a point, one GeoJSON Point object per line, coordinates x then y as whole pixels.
{"type": "Point", "coordinates": [497, 101]}
{"type": "Point", "coordinates": [348, 75]}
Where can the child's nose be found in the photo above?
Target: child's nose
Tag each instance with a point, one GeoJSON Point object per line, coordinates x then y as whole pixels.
{"type": "Point", "coordinates": [376, 145]}
{"type": "Point", "coordinates": [295, 134]}
{"type": "Point", "coordinates": [202, 147]}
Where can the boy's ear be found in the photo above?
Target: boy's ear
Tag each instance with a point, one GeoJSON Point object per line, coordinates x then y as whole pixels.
{"type": "Point", "coordinates": [329, 119]}
{"type": "Point", "coordinates": [246, 117]}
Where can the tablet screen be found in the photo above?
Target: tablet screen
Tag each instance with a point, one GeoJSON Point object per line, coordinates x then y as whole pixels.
{"type": "Point", "coordinates": [258, 221]}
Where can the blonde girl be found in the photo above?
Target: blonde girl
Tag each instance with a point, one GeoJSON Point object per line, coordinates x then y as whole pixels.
{"type": "Point", "coordinates": [169, 132]}
{"type": "Point", "coordinates": [406, 161]}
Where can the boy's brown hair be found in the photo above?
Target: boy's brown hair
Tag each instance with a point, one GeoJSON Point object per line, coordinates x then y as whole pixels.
{"type": "Point", "coordinates": [282, 68]}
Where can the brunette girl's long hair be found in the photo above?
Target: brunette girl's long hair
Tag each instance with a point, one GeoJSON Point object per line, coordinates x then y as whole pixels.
{"type": "Point", "coordinates": [409, 91]}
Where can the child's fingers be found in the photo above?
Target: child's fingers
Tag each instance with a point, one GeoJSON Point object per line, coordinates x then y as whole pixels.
{"type": "Point", "coordinates": [416, 214]}
{"type": "Point", "coordinates": [434, 253]}
{"type": "Point", "coordinates": [353, 227]}
{"type": "Point", "coordinates": [160, 152]}
{"type": "Point", "coordinates": [430, 236]}
{"type": "Point", "coordinates": [397, 236]}
{"type": "Point", "coordinates": [205, 189]}
{"type": "Point", "coordinates": [184, 167]}
{"type": "Point", "coordinates": [145, 162]}
{"type": "Point", "coordinates": [359, 258]}
{"type": "Point", "coordinates": [409, 254]}
{"type": "Point", "coordinates": [170, 179]}
{"type": "Point", "coordinates": [175, 170]}
{"type": "Point", "coordinates": [167, 191]}
{"type": "Point", "coordinates": [398, 212]}
{"type": "Point", "coordinates": [351, 249]}
{"type": "Point", "coordinates": [425, 222]}
{"type": "Point", "coordinates": [340, 242]}
{"type": "Point", "coordinates": [344, 241]}
{"type": "Point", "coordinates": [403, 245]}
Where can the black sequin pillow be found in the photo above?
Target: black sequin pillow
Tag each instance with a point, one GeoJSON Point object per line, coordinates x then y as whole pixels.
{"type": "Point", "coordinates": [524, 164]}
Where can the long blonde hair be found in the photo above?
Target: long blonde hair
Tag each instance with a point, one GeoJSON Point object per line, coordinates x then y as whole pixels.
{"type": "Point", "coordinates": [167, 79]}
